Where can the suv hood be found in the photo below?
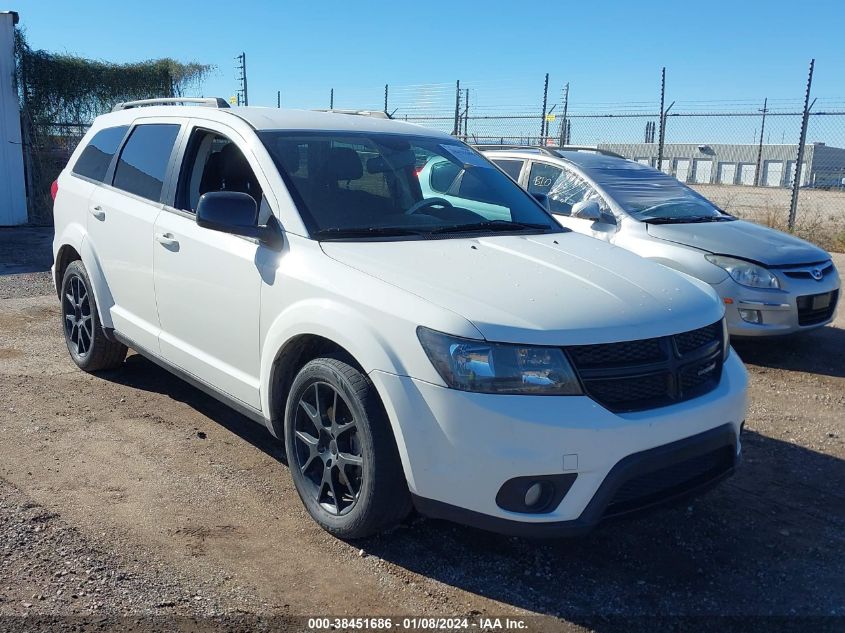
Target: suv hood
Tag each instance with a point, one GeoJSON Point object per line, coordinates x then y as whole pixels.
{"type": "Point", "coordinates": [553, 289]}
{"type": "Point", "coordinates": [741, 239]}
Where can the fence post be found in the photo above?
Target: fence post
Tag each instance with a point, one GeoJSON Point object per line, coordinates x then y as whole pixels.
{"type": "Point", "coordinates": [466, 114]}
{"type": "Point", "coordinates": [456, 126]}
{"type": "Point", "coordinates": [331, 99]}
{"type": "Point", "coordinates": [757, 173]}
{"type": "Point", "coordinates": [278, 98]}
{"type": "Point", "coordinates": [662, 118]}
{"type": "Point", "coordinates": [796, 181]}
{"type": "Point", "coordinates": [385, 98]}
{"type": "Point", "coordinates": [543, 115]}
{"type": "Point", "coordinates": [563, 139]}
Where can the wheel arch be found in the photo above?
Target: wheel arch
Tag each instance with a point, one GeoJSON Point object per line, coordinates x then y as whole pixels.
{"type": "Point", "coordinates": [75, 245]}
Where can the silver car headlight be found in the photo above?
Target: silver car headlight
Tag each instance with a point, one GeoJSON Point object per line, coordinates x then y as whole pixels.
{"type": "Point", "coordinates": [745, 273]}
{"type": "Point", "coordinates": [472, 365]}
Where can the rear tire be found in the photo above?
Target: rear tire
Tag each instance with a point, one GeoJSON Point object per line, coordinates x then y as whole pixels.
{"type": "Point", "coordinates": [86, 341]}
{"type": "Point", "coordinates": [341, 451]}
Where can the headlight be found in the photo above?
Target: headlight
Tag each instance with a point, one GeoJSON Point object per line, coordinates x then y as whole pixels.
{"type": "Point", "coordinates": [745, 273]}
{"type": "Point", "coordinates": [471, 365]}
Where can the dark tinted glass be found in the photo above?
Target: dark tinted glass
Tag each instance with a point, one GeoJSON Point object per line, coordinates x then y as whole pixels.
{"type": "Point", "coordinates": [143, 161]}
{"type": "Point", "coordinates": [510, 167]}
{"type": "Point", "coordinates": [443, 175]}
{"type": "Point", "coordinates": [95, 158]}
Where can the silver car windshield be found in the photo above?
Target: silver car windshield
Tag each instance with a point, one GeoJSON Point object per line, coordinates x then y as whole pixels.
{"type": "Point", "coordinates": [650, 195]}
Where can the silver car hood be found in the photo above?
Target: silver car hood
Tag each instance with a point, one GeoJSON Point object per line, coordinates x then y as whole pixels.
{"type": "Point", "coordinates": [741, 239]}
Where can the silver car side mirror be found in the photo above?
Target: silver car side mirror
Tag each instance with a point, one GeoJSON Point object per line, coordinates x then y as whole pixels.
{"type": "Point", "coordinates": [587, 210]}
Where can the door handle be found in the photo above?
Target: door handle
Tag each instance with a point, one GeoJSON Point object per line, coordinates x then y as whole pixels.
{"type": "Point", "coordinates": [167, 239]}
{"type": "Point", "coordinates": [98, 212]}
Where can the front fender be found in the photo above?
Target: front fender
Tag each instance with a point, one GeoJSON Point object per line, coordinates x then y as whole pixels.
{"type": "Point", "coordinates": [321, 317]}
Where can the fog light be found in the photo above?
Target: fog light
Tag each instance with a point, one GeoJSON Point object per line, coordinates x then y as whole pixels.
{"type": "Point", "coordinates": [533, 494]}
{"type": "Point", "coordinates": [751, 316]}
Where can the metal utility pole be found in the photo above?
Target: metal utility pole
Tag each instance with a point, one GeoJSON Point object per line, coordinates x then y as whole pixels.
{"type": "Point", "coordinates": [456, 128]}
{"type": "Point", "coordinates": [799, 161]}
{"type": "Point", "coordinates": [243, 92]}
{"type": "Point", "coordinates": [331, 99]}
{"type": "Point", "coordinates": [662, 118]}
{"type": "Point", "coordinates": [758, 171]}
{"type": "Point", "coordinates": [563, 123]}
{"type": "Point", "coordinates": [466, 113]}
{"type": "Point", "coordinates": [543, 116]}
{"type": "Point", "coordinates": [385, 98]}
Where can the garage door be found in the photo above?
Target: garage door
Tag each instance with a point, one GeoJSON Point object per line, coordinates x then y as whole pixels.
{"type": "Point", "coordinates": [727, 173]}
{"type": "Point", "coordinates": [703, 171]}
{"type": "Point", "coordinates": [790, 169]}
{"type": "Point", "coordinates": [772, 173]}
{"type": "Point", "coordinates": [667, 166]}
{"type": "Point", "coordinates": [682, 169]}
{"type": "Point", "coordinates": [746, 173]}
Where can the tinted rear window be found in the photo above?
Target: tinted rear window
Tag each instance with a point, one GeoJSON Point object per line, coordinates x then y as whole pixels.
{"type": "Point", "coordinates": [143, 162]}
{"type": "Point", "coordinates": [96, 157]}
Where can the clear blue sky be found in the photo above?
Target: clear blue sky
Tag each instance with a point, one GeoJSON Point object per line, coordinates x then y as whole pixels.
{"type": "Point", "coordinates": [608, 51]}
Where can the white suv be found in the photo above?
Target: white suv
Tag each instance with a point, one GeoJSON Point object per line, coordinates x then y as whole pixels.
{"type": "Point", "coordinates": [498, 371]}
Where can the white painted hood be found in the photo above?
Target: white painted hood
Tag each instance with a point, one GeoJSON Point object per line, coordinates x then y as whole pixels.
{"type": "Point", "coordinates": [555, 289]}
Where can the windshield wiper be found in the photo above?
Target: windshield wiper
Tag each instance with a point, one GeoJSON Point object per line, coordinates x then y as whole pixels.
{"type": "Point", "coordinates": [690, 219]}
{"type": "Point", "coordinates": [491, 225]}
{"type": "Point", "coordinates": [336, 232]}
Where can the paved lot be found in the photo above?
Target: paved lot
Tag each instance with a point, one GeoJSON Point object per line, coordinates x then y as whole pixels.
{"type": "Point", "coordinates": [132, 493]}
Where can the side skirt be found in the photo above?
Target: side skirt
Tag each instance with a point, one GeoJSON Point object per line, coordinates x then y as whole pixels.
{"type": "Point", "coordinates": [241, 407]}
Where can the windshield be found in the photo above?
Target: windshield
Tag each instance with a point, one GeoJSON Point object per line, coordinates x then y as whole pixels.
{"type": "Point", "coordinates": [357, 185]}
{"type": "Point", "coordinates": [650, 195]}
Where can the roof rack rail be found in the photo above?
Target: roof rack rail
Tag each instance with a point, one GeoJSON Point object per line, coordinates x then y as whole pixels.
{"type": "Point", "coordinates": [378, 114]}
{"type": "Point", "coordinates": [210, 102]}
{"type": "Point", "coordinates": [551, 150]}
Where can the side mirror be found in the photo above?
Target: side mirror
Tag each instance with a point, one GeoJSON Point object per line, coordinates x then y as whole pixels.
{"type": "Point", "coordinates": [236, 213]}
{"type": "Point", "coordinates": [543, 199]}
{"type": "Point", "coordinates": [587, 210]}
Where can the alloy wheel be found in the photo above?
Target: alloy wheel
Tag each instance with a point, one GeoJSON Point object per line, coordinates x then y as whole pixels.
{"type": "Point", "coordinates": [79, 324]}
{"type": "Point", "coordinates": [327, 449]}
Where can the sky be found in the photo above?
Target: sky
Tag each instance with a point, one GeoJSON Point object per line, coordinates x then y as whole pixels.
{"type": "Point", "coordinates": [610, 52]}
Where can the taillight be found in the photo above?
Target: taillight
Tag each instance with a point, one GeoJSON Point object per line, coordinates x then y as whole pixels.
{"type": "Point", "coordinates": [54, 189]}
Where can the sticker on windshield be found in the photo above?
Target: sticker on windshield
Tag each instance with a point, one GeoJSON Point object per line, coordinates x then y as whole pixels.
{"type": "Point", "coordinates": [466, 155]}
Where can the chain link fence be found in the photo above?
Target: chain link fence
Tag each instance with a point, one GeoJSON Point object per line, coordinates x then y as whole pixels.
{"type": "Point", "coordinates": [744, 160]}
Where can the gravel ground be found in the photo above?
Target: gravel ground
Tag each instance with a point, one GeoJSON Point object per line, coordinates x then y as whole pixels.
{"type": "Point", "coordinates": [130, 497]}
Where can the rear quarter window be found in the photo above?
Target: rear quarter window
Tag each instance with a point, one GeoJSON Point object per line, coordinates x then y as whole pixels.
{"type": "Point", "coordinates": [94, 160]}
{"type": "Point", "coordinates": [143, 161]}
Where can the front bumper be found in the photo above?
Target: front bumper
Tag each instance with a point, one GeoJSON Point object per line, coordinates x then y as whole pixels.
{"type": "Point", "coordinates": [778, 308]}
{"type": "Point", "coordinates": [459, 448]}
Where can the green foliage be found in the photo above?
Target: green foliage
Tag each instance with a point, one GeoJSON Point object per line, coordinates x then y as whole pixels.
{"type": "Point", "coordinates": [59, 88]}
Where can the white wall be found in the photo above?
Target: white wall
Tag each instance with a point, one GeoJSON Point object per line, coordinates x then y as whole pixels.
{"type": "Point", "coordinates": [12, 187]}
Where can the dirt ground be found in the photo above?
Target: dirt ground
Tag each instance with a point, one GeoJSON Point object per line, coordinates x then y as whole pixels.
{"type": "Point", "coordinates": [132, 497]}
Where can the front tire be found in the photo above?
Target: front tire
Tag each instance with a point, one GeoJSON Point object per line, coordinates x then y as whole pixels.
{"type": "Point", "coordinates": [86, 342]}
{"type": "Point", "coordinates": [341, 451]}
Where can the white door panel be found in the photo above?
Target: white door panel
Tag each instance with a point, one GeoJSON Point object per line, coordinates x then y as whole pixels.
{"type": "Point", "coordinates": [747, 173]}
{"type": "Point", "coordinates": [727, 173]}
{"type": "Point", "coordinates": [703, 171]}
{"type": "Point", "coordinates": [682, 169]}
{"type": "Point", "coordinates": [120, 227]}
{"type": "Point", "coordinates": [208, 292]}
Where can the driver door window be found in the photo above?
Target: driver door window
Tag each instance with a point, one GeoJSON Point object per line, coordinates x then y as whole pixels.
{"type": "Point", "coordinates": [566, 190]}
{"type": "Point", "coordinates": [215, 163]}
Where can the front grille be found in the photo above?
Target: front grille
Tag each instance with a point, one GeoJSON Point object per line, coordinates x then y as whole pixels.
{"type": "Point", "coordinates": [811, 272]}
{"type": "Point", "coordinates": [809, 315]}
{"type": "Point", "coordinates": [650, 373]}
{"type": "Point", "coordinates": [673, 480]}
